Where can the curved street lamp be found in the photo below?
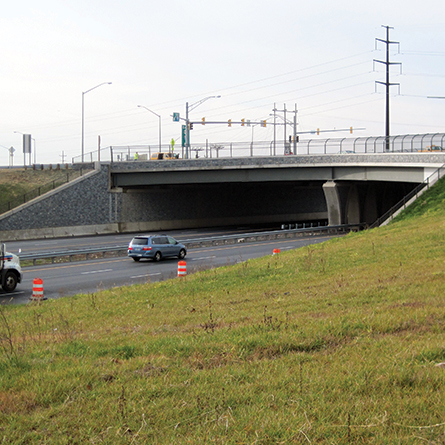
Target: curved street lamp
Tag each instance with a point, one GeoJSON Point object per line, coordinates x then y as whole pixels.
{"type": "Point", "coordinates": [83, 113]}
{"type": "Point", "coordinates": [189, 108]}
{"type": "Point", "coordinates": [156, 114]}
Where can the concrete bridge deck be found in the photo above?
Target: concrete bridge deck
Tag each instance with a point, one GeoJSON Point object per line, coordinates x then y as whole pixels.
{"type": "Point", "coordinates": [403, 167]}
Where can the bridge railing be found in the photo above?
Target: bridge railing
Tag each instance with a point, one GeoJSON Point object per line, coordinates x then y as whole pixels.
{"type": "Point", "coordinates": [429, 142]}
{"type": "Point", "coordinates": [403, 203]}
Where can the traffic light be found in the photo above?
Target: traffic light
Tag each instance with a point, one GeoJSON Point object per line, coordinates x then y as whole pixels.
{"type": "Point", "coordinates": [230, 122]}
{"type": "Point", "coordinates": [263, 123]}
{"type": "Point", "coordinates": [350, 130]}
{"type": "Point", "coordinates": [203, 121]}
{"type": "Point", "coordinates": [242, 122]}
{"type": "Point", "coordinates": [191, 126]}
{"type": "Point", "coordinates": [318, 131]}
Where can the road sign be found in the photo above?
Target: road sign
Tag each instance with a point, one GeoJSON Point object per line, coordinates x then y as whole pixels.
{"type": "Point", "coordinates": [26, 143]}
{"type": "Point", "coordinates": [184, 135]}
{"type": "Point", "coordinates": [175, 117]}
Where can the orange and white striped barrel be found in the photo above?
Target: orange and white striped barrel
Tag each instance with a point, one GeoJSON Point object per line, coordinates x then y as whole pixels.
{"type": "Point", "coordinates": [182, 269]}
{"type": "Point", "coordinates": [37, 289]}
{"type": "Point", "coordinates": [276, 251]}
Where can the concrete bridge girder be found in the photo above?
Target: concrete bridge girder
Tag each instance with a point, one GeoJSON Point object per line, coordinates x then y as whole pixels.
{"type": "Point", "coordinates": [136, 179]}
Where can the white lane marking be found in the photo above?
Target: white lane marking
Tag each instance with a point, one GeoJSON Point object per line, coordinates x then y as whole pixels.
{"type": "Point", "coordinates": [203, 258]}
{"type": "Point", "coordinates": [146, 275]}
{"type": "Point", "coordinates": [96, 271]}
{"type": "Point", "coordinates": [11, 294]}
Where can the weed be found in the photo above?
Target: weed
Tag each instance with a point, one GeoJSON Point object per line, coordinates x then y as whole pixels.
{"type": "Point", "coordinates": [269, 322]}
{"type": "Point", "coordinates": [210, 325]}
{"type": "Point", "coordinates": [6, 336]}
{"type": "Point", "coordinates": [122, 408]}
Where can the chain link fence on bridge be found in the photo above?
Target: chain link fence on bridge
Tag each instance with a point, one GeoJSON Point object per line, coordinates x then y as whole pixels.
{"type": "Point", "coordinates": [430, 142]}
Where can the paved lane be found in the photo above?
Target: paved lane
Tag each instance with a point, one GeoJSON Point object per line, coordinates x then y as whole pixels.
{"type": "Point", "coordinates": [61, 280]}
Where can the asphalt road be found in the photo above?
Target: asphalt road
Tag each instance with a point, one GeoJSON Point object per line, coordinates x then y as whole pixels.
{"type": "Point", "coordinates": [65, 279]}
{"type": "Point", "coordinates": [64, 244]}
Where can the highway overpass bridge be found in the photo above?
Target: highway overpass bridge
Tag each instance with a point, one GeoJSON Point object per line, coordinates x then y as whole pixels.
{"type": "Point", "coordinates": [185, 193]}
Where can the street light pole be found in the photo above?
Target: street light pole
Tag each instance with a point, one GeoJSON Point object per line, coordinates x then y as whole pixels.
{"type": "Point", "coordinates": [83, 114]}
{"type": "Point", "coordinates": [189, 108]}
{"type": "Point", "coordinates": [142, 106]}
{"type": "Point", "coordinates": [187, 130]}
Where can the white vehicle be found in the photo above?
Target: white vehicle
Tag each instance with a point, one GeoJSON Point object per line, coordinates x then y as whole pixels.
{"type": "Point", "coordinates": [10, 270]}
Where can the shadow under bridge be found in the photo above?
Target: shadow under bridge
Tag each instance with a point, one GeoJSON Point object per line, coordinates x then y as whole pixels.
{"type": "Point", "coordinates": [163, 195]}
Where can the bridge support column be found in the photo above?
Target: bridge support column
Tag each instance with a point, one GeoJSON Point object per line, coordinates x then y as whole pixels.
{"type": "Point", "coordinates": [343, 203]}
{"type": "Point", "coordinates": [333, 203]}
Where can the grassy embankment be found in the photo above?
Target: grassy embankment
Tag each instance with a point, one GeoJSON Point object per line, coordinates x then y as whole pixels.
{"type": "Point", "coordinates": [334, 343]}
{"type": "Point", "coordinates": [14, 183]}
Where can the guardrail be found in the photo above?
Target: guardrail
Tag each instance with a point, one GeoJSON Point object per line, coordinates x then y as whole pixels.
{"type": "Point", "coordinates": [86, 254]}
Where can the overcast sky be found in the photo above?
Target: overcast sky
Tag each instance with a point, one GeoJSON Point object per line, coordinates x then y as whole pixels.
{"type": "Point", "coordinates": [316, 55]}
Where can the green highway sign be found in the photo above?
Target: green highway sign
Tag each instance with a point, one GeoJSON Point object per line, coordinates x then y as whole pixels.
{"type": "Point", "coordinates": [184, 135]}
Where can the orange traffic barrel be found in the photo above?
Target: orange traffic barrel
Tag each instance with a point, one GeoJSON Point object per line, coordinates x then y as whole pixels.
{"type": "Point", "coordinates": [37, 289]}
{"type": "Point", "coordinates": [275, 251]}
{"type": "Point", "coordinates": [182, 269]}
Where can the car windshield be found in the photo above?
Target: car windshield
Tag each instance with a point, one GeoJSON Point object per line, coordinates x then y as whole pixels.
{"type": "Point", "coordinates": [139, 241]}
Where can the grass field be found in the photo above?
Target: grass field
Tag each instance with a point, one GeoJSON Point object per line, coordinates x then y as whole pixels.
{"type": "Point", "coordinates": [336, 343]}
{"type": "Point", "coordinates": [17, 182]}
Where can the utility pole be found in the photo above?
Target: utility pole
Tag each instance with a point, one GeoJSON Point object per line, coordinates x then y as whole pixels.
{"type": "Point", "coordinates": [274, 129]}
{"type": "Point", "coordinates": [286, 122]}
{"type": "Point", "coordinates": [387, 83]}
{"type": "Point", "coordinates": [295, 130]}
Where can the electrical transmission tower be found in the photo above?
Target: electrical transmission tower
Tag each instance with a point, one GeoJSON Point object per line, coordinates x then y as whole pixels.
{"type": "Point", "coordinates": [387, 83]}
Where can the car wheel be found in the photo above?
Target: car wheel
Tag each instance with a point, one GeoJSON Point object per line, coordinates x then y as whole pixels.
{"type": "Point", "coordinates": [10, 282]}
{"type": "Point", "coordinates": [157, 256]}
{"type": "Point", "coordinates": [136, 259]}
{"type": "Point", "coordinates": [182, 254]}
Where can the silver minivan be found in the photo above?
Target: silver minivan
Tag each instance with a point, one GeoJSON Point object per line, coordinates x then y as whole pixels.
{"type": "Point", "coordinates": [155, 247]}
